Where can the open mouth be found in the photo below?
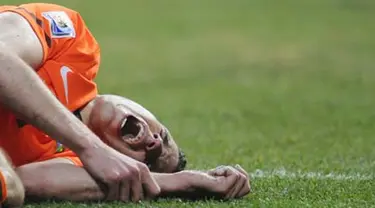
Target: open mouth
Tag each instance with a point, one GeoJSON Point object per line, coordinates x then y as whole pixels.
{"type": "Point", "coordinates": [131, 129]}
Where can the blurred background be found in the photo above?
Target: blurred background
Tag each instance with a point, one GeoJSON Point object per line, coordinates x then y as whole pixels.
{"type": "Point", "coordinates": [267, 84]}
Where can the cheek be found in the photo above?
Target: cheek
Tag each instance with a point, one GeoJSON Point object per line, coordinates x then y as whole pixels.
{"type": "Point", "coordinates": [123, 148]}
{"type": "Point", "coordinates": [117, 144]}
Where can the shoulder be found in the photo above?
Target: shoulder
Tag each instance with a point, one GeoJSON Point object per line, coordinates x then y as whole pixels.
{"type": "Point", "coordinates": [17, 36]}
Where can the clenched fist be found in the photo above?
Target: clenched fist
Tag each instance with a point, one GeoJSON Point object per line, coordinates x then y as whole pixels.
{"type": "Point", "coordinates": [223, 182]}
{"type": "Point", "coordinates": [230, 182]}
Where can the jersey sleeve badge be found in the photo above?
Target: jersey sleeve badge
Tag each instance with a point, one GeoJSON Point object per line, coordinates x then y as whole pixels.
{"type": "Point", "coordinates": [60, 23]}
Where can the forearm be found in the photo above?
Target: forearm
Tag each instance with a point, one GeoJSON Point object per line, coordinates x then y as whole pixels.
{"type": "Point", "coordinates": [23, 92]}
{"type": "Point", "coordinates": [59, 182]}
{"type": "Point", "coordinates": [189, 184]}
{"type": "Point", "coordinates": [68, 182]}
{"type": "Point", "coordinates": [62, 181]}
{"type": "Point", "coordinates": [173, 183]}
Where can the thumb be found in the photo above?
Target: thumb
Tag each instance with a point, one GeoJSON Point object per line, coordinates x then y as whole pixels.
{"type": "Point", "coordinates": [220, 171]}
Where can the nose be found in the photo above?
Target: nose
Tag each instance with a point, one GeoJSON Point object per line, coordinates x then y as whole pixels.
{"type": "Point", "coordinates": [153, 145]}
{"type": "Point", "coordinates": [153, 148]}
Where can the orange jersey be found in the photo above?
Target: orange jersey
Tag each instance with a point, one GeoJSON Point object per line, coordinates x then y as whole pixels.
{"type": "Point", "coordinates": [70, 63]}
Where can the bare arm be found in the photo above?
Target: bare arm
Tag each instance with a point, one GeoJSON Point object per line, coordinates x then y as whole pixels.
{"type": "Point", "coordinates": [56, 179]}
{"type": "Point", "coordinates": [59, 181]}
{"type": "Point", "coordinates": [23, 92]}
{"type": "Point", "coordinates": [63, 181]}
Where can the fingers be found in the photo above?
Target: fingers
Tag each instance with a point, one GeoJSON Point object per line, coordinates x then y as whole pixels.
{"type": "Point", "coordinates": [124, 191]}
{"type": "Point", "coordinates": [113, 192]}
{"type": "Point", "coordinates": [236, 181]}
{"type": "Point", "coordinates": [237, 185]}
{"type": "Point", "coordinates": [239, 168]}
{"type": "Point", "coordinates": [136, 191]}
{"type": "Point", "coordinates": [221, 171]}
{"type": "Point", "coordinates": [246, 188]}
{"type": "Point", "coordinates": [137, 184]}
{"type": "Point", "coordinates": [228, 177]}
{"type": "Point", "coordinates": [241, 182]}
{"type": "Point", "coordinates": [150, 187]}
{"type": "Point", "coordinates": [128, 190]}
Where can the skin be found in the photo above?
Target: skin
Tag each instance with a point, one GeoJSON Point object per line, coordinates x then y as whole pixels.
{"type": "Point", "coordinates": [114, 175]}
{"type": "Point", "coordinates": [15, 188]}
{"type": "Point", "coordinates": [54, 179]}
{"type": "Point", "coordinates": [61, 179]}
{"type": "Point", "coordinates": [107, 115]}
{"type": "Point", "coordinates": [22, 92]}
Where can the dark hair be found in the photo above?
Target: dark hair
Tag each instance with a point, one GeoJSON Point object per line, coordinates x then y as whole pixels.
{"type": "Point", "coordinates": [181, 161]}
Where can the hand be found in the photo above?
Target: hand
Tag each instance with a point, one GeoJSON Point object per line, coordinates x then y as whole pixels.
{"type": "Point", "coordinates": [232, 182]}
{"type": "Point", "coordinates": [223, 182]}
{"type": "Point", "coordinates": [125, 178]}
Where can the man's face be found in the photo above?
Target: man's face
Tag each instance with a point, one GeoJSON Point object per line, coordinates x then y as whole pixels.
{"type": "Point", "coordinates": [132, 130]}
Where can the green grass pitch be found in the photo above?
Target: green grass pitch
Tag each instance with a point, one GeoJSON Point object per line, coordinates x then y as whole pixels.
{"type": "Point", "coordinates": [284, 88]}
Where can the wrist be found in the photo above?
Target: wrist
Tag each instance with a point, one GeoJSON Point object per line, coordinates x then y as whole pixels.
{"type": "Point", "coordinates": [73, 134]}
{"type": "Point", "coordinates": [171, 183]}
{"type": "Point", "coordinates": [193, 179]}
{"type": "Point", "coordinates": [87, 148]}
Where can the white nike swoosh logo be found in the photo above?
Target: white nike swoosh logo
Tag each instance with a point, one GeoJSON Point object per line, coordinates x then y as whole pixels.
{"type": "Point", "coordinates": [64, 75]}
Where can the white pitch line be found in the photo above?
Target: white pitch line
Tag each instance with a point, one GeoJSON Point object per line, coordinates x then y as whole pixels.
{"type": "Point", "coordinates": [282, 173]}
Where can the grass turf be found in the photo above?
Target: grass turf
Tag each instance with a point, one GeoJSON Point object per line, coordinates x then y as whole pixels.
{"type": "Point", "coordinates": [266, 84]}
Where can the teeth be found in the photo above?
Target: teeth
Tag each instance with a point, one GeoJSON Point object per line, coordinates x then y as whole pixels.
{"type": "Point", "coordinates": [131, 138]}
{"type": "Point", "coordinates": [123, 123]}
{"type": "Point", "coordinates": [140, 133]}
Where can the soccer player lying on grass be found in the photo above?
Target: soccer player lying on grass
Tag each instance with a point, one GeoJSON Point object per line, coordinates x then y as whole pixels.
{"type": "Point", "coordinates": [131, 130]}
{"type": "Point", "coordinates": [134, 131]}
{"type": "Point", "coordinates": [55, 42]}
{"type": "Point", "coordinates": [43, 49]}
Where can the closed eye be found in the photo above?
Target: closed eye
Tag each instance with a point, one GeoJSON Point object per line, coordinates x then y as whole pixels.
{"type": "Point", "coordinates": [164, 136]}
